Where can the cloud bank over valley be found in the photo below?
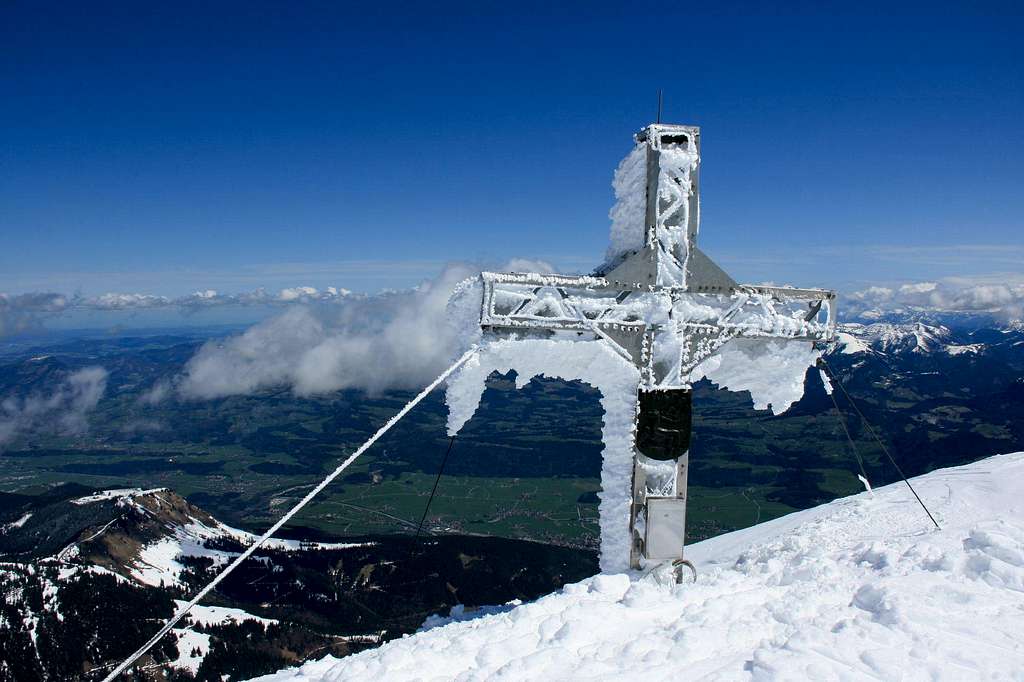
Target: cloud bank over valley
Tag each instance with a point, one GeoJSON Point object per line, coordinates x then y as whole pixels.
{"type": "Point", "coordinates": [318, 341]}
{"type": "Point", "coordinates": [63, 410]}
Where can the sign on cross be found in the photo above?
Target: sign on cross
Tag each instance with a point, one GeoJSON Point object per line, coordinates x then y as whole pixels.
{"type": "Point", "coordinates": [663, 305]}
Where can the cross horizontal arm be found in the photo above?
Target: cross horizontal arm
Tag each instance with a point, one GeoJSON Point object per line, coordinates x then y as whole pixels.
{"type": "Point", "coordinates": [664, 331]}
{"type": "Point", "coordinates": [578, 303]}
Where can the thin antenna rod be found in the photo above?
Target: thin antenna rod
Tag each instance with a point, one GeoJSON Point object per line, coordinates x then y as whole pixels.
{"type": "Point", "coordinates": [659, 106]}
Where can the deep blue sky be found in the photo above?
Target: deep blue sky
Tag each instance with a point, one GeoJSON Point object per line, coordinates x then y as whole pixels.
{"type": "Point", "coordinates": [197, 145]}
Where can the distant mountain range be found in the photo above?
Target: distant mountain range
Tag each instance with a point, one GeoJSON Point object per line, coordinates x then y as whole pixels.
{"type": "Point", "coordinates": [923, 338]}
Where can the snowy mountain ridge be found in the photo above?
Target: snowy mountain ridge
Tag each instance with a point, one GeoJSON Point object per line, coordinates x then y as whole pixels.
{"type": "Point", "coordinates": [166, 529]}
{"type": "Point", "coordinates": [919, 338]}
{"type": "Point", "coordinates": [862, 587]}
{"type": "Point", "coordinates": [886, 337]}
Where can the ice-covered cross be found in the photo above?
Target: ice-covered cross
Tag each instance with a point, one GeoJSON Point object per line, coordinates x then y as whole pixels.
{"type": "Point", "coordinates": [657, 316]}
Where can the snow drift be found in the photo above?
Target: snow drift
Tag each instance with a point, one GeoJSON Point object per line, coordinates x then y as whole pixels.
{"type": "Point", "coordinates": [861, 588]}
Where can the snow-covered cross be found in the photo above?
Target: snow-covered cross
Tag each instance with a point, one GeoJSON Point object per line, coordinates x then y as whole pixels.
{"type": "Point", "coordinates": [657, 316]}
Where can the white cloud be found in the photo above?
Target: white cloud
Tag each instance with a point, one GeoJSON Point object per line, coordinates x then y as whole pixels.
{"type": "Point", "coordinates": [919, 288]}
{"type": "Point", "coordinates": [64, 410]}
{"type": "Point", "coordinates": [24, 312]}
{"type": "Point", "coordinates": [533, 266]}
{"type": "Point", "coordinates": [1004, 299]}
{"type": "Point", "coordinates": [295, 293]}
{"type": "Point", "coordinates": [310, 294]}
{"type": "Point", "coordinates": [115, 301]}
{"type": "Point", "coordinates": [159, 392]}
{"type": "Point", "coordinates": [136, 426]}
{"type": "Point", "coordinates": [375, 343]}
{"type": "Point", "coordinates": [208, 298]}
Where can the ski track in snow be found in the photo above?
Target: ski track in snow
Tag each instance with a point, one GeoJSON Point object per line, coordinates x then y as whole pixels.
{"type": "Point", "coordinates": [861, 588]}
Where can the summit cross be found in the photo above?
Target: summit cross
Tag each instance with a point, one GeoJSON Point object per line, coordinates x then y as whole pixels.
{"type": "Point", "coordinates": [665, 307]}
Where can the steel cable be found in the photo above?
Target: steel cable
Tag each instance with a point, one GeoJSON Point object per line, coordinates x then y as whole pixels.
{"type": "Point", "coordinates": [828, 369]}
{"type": "Point", "coordinates": [284, 519]}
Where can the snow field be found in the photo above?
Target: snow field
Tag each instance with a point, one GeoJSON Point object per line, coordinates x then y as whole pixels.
{"type": "Point", "coordinates": [206, 616]}
{"type": "Point", "coordinates": [157, 562]}
{"type": "Point", "coordinates": [188, 642]}
{"type": "Point", "coordinates": [126, 493]}
{"type": "Point", "coordinates": [861, 588]}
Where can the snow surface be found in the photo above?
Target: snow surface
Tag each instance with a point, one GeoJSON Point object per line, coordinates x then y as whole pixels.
{"type": "Point", "coordinates": [15, 524]}
{"type": "Point", "coordinates": [207, 616]}
{"type": "Point", "coordinates": [189, 641]}
{"type": "Point", "coordinates": [158, 561]}
{"type": "Point", "coordinates": [115, 494]}
{"type": "Point", "coordinates": [773, 371]}
{"type": "Point", "coordinates": [861, 588]}
{"type": "Point", "coordinates": [826, 383]}
{"type": "Point", "coordinates": [628, 215]}
{"type": "Point", "coordinates": [459, 613]}
{"type": "Point", "coordinates": [674, 188]}
{"type": "Point", "coordinates": [850, 343]}
{"type": "Point", "coordinates": [628, 212]}
{"type": "Point", "coordinates": [967, 349]}
{"type": "Point", "coordinates": [885, 337]}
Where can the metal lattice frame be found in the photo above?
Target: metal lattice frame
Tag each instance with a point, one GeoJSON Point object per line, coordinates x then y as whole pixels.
{"type": "Point", "coordinates": [664, 306]}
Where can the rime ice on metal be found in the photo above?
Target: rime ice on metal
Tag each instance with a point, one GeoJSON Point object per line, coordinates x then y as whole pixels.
{"type": "Point", "coordinates": [657, 316]}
